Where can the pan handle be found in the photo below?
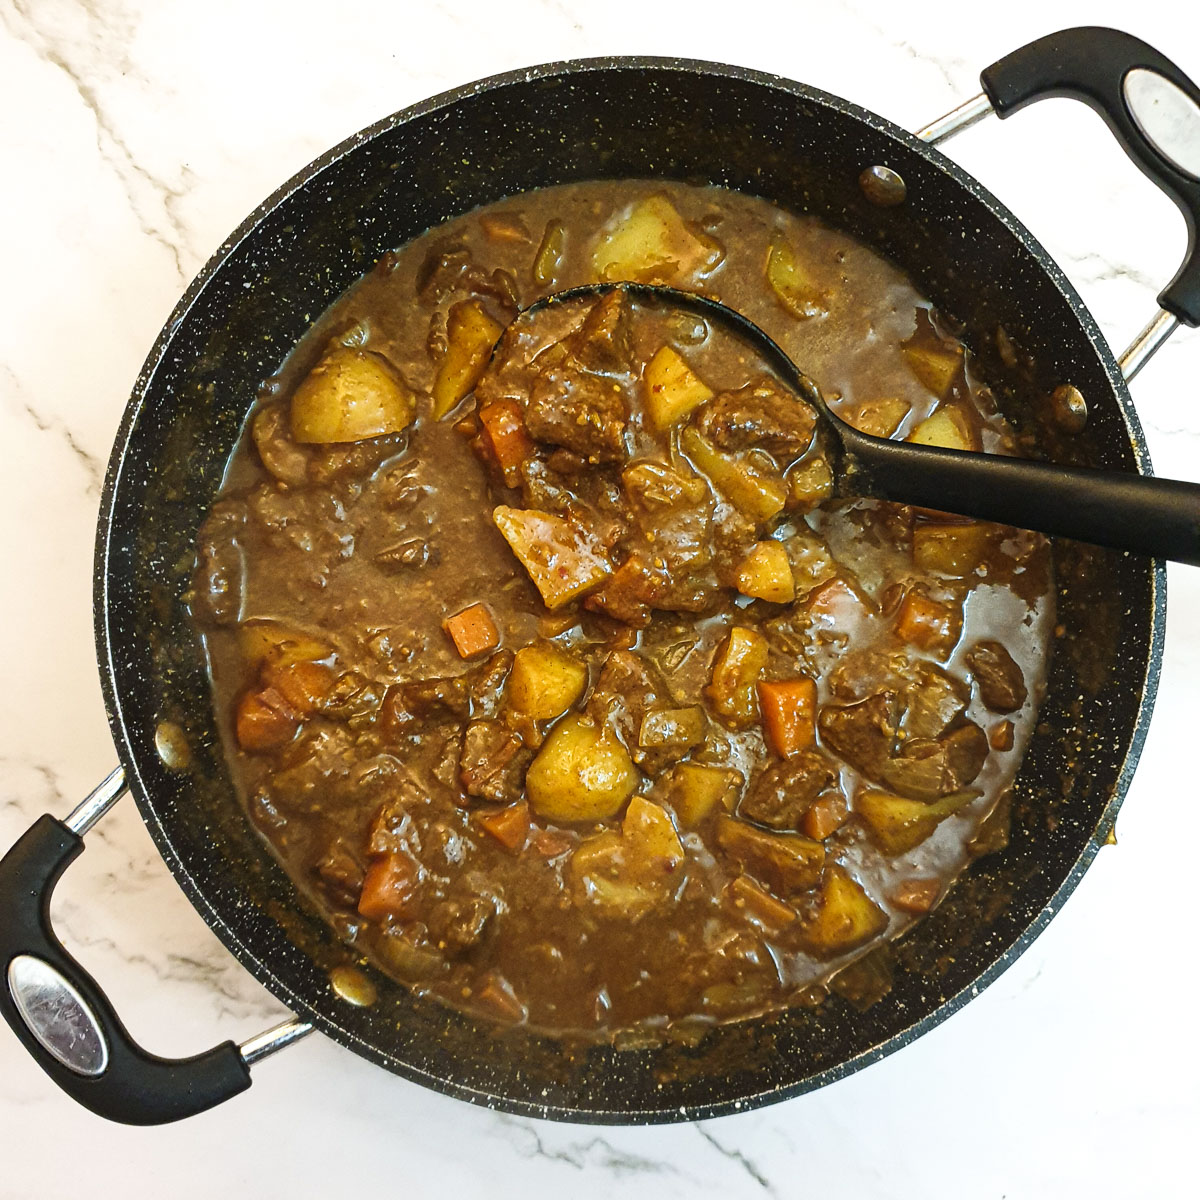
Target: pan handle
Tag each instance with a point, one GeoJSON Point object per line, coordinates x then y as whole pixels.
{"type": "Point", "coordinates": [63, 1017]}
{"type": "Point", "coordinates": [1151, 106]}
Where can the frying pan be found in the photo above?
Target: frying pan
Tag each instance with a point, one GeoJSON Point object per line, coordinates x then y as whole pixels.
{"type": "Point", "coordinates": [595, 118]}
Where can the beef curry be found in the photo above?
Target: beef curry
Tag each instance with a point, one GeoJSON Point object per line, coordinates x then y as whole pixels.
{"type": "Point", "coordinates": [560, 679]}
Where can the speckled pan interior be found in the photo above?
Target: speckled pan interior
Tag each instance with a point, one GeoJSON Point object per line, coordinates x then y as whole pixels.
{"type": "Point", "coordinates": [593, 119]}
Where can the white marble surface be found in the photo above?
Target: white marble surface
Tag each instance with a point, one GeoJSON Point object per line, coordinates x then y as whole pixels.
{"type": "Point", "coordinates": [135, 135]}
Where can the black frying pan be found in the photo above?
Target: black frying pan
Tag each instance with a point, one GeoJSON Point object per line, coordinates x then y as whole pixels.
{"type": "Point", "coordinates": [597, 118]}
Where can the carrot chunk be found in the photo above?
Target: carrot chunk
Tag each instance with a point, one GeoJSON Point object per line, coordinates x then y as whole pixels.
{"type": "Point", "coordinates": [758, 904]}
{"type": "Point", "coordinates": [506, 437]}
{"type": "Point", "coordinates": [472, 631]}
{"type": "Point", "coordinates": [389, 888]}
{"type": "Point", "coordinates": [826, 813]}
{"type": "Point", "coordinates": [265, 720]}
{"type": "Point", "coordinates": [509, 826]}
{"type": "Point", "coordinates": [789, 713]}
{"type": "Point", "coordinates": [302, 684]}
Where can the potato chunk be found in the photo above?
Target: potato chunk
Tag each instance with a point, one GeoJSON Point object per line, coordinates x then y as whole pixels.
{"type": "Point", "coordinates": [349, 396]}
{"type": "Point", "coordinates": [738, 663]}
{"type": "Point", "coordinates": [948, 428]}
{"type": "Point", "coordinates": [561, 559]}
{"type": "Point", "coordinates": [766, 574]}
{"type": "Point", "coordinates": [952, 549]}
{"type": "Point", "coordinates": [792, 287]}
{"type": "Point", "coordinates": [263, 642]}
{"type": "Point", "coordinates": [898, 824]}
{"type": "Point", "coordinates": [652, 245]}
{"type": "Point", "coordinates": [846, 917]}
{"type": "Point", "coordinates": [470, 334]}
{"type": "Point", "coordinates": [672, 389]}
{"type": "Point", "coordinates": [751, 488]}
{"type": "Point", "coordinates": [934, 363]}
{"type": "Point", "coordinates": [545, 681]}
{"type": "Point", "coordinates": [695, 790]}
{"type": "Point", "coordinates": [581, 773]}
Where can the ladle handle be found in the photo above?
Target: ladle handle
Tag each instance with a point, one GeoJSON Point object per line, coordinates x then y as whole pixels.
{"type": "Point", "coordinates": [1158, 517]}
{"type": "Point", "coordinates": [1109, 71]}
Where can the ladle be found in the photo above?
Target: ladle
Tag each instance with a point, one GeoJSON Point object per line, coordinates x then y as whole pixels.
{"type": "Point", "coordinates": [1122, 510]}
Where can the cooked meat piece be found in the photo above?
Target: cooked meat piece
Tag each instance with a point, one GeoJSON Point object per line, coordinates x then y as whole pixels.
{"type": "Point", "coordinates": [284, 458]}
{"type": "Point", "coordinates": [457, 925]}
{"type": "Point", "coordinates": [864, 733]}
{"type": "Point", "coordinates": [763, 414]}
{"type": "Point", "coordinates": [935, 702]}
{"type": "Point", "coordinates": [447, 269]}
{"type": "Point", "coordinates": [601, 343]}
{"type": "Point", "coordinates": [341, 874]}
{"type": "Point", "coordinates": [928, 768]}
{"type": "Point", "coordinates": [780, 796]}
{"type": "Point", "coordinates": [493, 762]}
{"type": "Point", "coordinates": [487, 682]}
{"type": "Point", "coordinates": [1001, 684]}
{"type": "Point", "coordinates": [627, 687]}
{"type": "Point", "coordinates": [216, 593]}
{"type": "Point", "coordinates": [421, 700]}
{"type": "Point", "coordinates": [584, 412]}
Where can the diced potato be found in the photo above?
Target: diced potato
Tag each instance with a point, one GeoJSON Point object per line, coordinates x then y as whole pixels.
{"type": "Point", "coordinates": [927, 623]}
{"type": "Point", "coordinates": [545, 681]}
{"type": "Point", "coordinates": [652, 245]}
{"type": "Point", "coordinates": [786, 862]}
{"type": "Point", "coordinates": [269, 642]}
{"type": "Point", "coordinates": [952, 549]}
{"type": "Point", "coordinates": [672, 389]}
{"type": "Point", "coordinates": [948, 428]}
{"type": "Point", "coordinates": [738, 663]}
{"type": "Point", "coordinates": [548, 260]}
{"type": "Point", "coordinates": [934, 363]}
{"type": "Point", "coordinates": [846, 917]}
{"type": "Point", "coordinates": [809, 483]}
{"type": "Point", "coordinates": [879, 417]}
{"type": "Point", "coordinates": [792, 287]}
{"type": "Point", "coordinates": [897, 824]}
{"type": "Point", "coordinates": [752, 489]}
{"type": "Point", "coordinates": [561, 559]}
{"type": "Point", "coordinates": [470, 334]}
{"type": "Point", "coordinates": [628, 873]}
{"type": "Point", "coordinates": [695, 790]}
{"type": "Point", "coordinates": [766, 574]}
{"type": "Point", "coordinates": [581, 773]}
{"type": "Point", "coordinates": [648, 829]}
{"type": "Point", "coordinates": [351, 395]}
{"type": "Point", "coordinates": [677, 728]}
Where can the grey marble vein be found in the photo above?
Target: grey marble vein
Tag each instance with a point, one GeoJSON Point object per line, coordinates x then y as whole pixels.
{"type": "Point", "coordinates": [739, 1159]}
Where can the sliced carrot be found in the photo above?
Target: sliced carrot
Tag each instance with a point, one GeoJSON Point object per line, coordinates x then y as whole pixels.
{"type": "Point", "coordinates": [265, 720]}
{"type": "Point", "coordinates": [926, 623]}
{"type": "Point", "coordinates": [472, 631]}
{"type": "Point", "coordinates": [759, 904]}
{"type": "Point", "coordinates": [389, 888]}
{"type": "Point", "coordinates": [789, 714]}
{"type": "Point", "coordinates": [505, 435]}
{"type": "Point", "coordinates": [302, 684]}
{"type": "Point", "coordinates": [509, 826]}
{"type": "Point", "coordinates": [826, 813]}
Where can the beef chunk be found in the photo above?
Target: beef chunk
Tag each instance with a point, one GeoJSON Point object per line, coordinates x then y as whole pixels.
{"type": "Point", "coordinates": [627, 687]}
{"type": "Point", "coordinates": [763, 414]}
{"type": "Point", "coordinates": [487, 682]}
{"type": "Point", "coordinates": [216, 592]}
{"type": "Point", "coordinates": [582, 411]}
{"type": "Point", "coordinates": [602, 341]}
{"type": "Point", "coordinates": [341, 874]}
{"type": "Point", "coordinates": [781, 795]}
{"type": "Point", "coordinates": [935, 702]}
{"type": "Point", "coordinates": [493, 762]}
{"type": "Point", "coordinates": [863, 733]}
{"type": "Point", "coordinates": [1001, 684]}
{"type": "Point", "coordinates": [425, 700]}
{"type": "Point", "coordinates": [461, 924]}
{"type": "Point", "coordinates": [928, 768]}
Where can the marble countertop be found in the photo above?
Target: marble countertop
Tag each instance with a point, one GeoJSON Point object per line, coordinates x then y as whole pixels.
{"type": "Point", "coordinates": [136, 135]}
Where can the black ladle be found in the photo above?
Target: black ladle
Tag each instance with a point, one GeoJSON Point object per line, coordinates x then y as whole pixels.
{"type": "Point", "coordinates": [1122, 510]}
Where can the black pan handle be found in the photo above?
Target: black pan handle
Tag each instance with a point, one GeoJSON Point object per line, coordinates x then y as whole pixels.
{"type": "Point", "coordinates": [1094, 64]}
{"type": "Point", "coordinates": [64, 1019]}
{"type": "Point", "coordinates": [1119, 509]}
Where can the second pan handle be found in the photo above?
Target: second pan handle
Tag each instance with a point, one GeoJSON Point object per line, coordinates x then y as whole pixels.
{"type": "Point", "coordinates": [1150, 105]}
